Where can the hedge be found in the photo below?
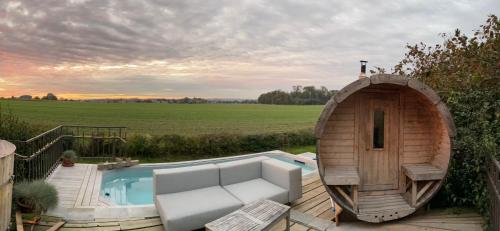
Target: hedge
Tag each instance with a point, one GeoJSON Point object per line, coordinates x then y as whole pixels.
{"type": "Point", "coordinates": [216, 145]}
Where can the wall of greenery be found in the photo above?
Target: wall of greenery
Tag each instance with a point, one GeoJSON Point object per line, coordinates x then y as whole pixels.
{"type": "Point", "coordinates": [466, 72]}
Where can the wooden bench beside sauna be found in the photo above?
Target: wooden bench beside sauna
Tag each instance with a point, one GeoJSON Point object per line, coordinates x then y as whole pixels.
{"type": "Point", "coordinates": [383, 146]}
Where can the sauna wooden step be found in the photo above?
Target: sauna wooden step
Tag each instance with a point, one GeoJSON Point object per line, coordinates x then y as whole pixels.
{"type": "Point", "coordinates": [383, 207]}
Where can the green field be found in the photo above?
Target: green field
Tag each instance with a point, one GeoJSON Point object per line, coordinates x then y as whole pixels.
{"type": "Point", "coordinates": [156, 118]}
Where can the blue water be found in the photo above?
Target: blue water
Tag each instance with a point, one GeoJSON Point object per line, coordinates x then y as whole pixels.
{"type": "Point", "coordinates": [134, 186]}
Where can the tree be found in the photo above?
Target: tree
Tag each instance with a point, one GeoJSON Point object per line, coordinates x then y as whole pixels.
{"type": "Point", "coordinates": [466, 72]}
{"type": "Point", "coordinates": [50, 96]}
{"type": "Point", "coordinates": [308, 95]}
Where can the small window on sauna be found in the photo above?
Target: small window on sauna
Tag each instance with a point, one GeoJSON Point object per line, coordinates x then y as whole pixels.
{"type": "Point", "coordinates": [378, 129]}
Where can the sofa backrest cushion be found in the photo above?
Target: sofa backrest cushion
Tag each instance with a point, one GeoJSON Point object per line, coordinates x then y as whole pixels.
{"type": "Point", "coordinates": [185, 178]}
{"type": "Point", "coordinates": [241, 170]}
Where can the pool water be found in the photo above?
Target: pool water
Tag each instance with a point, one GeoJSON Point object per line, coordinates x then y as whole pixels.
{"type": "Point", "coordinates": [134, 186]}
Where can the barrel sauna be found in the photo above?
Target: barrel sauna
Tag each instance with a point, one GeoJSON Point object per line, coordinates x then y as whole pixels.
{"type": "Point", "coordinates": [6, 181]}
{"type": "Point", "coordinates": [383, 146]}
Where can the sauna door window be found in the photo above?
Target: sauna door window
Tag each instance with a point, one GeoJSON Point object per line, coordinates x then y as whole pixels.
{"type": "Point", "coordinates": [378, 129]}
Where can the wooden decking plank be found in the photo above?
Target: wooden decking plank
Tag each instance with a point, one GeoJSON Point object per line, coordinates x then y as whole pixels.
{"type": "Point", "coordinates": [153, 228]}
{"type": "Point", "coordinates": [321, 208]}
{"type": "Point", "coordinates": [310, 180]}
{"type": "Point", "coordinates": [94, 201]}
{"type": "Point", "coordinates": [298, 227]}
{"type": "Point", "coordinates": [90, 186]}
{"type": "Point", "coordinates": [312, 203]}
{"type": "Point", "coordinates": [447, 226]}
{"type": "Point", "coordinates": [83, 187]}
{"type": "Point", "coordinates": [126, 225]}
{"type": "Point", "coordinates": [309, 195]}
{"type": "Point", "coordinates": [327, 215]}
{"type": "Point", "coordinates": [312, 186]}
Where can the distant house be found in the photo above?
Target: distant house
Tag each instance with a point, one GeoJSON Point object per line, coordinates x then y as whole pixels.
{"type": "Point", "coordinates": [25, 97]}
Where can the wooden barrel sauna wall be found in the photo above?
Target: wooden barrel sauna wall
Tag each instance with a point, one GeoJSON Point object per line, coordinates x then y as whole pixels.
{"type": "Point", "coordinates": [383, 146]}
{"type": "Point", "coordinates": [6, 181]}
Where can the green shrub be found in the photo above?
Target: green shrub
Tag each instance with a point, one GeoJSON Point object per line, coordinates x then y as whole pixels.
{"type": "Point", "coordinates": [465, 70]}
{"type": "Point", "coordinates": [13, 128]}
{"type": "Point", "coordinates": [215, 145]}
{"type": "Point", "coordinates": [39, 195]}
{"type": "Point", "coordinates": [475, 113]}
{"type": "Point", "coordinates": [70, 155]}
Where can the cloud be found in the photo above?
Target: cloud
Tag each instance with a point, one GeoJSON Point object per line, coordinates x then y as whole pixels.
{"type": "Point", "coordinates": [227, 45]}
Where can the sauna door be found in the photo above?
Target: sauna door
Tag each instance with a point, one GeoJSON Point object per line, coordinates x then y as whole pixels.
{"type": "Point", "coordinates": [378, 141]}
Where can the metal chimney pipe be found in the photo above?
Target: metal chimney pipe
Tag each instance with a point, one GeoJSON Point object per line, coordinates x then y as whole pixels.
{"type": "Point", "coordinates": [363, 69]}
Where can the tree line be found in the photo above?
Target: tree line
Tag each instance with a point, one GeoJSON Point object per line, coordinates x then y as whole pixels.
{"type": "Point", "coordinates": [308, 95]}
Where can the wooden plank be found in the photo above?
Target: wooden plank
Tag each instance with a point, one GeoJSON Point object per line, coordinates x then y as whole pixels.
{"type": "Point", "coordinates": [341, 176]}
{"type": "Point", "coordinates": [447, 119]}
{"type": "Point", "coordinates": [56, 226]}
{"type": "Point", "coordinates": [19, 222]}
{"type": "Point", "coordinates": [418, 172]}
{"type": "Point", "coordinates": [389, 79]}
{"type": "Point", "coordinates": [90, 186]}
{"type": "Point", "coordinates": [424, 189]}
{"type": "Point", "coordinates": [344, 194]}
{"type": "Point", "coordinates": [413, 193]}
{"type": "Point", "coordinates": [320, 208]}
{"type": "Point", "coordinates": [350, 89]}
{"type": "Point", "coordinates": [312, 202]}
{"type": "Point", "coordinates": [327, 215]}
{"type": "Point", "coordinates": [153, 228]}
{"type": "Point", "coordinates": [324, 117]}
{"type": "Point", "coordinates": [424, 90]}
{"type": "Point", "coordinates": [127, 225]}
{"type": "Point", "coordinates": [97, 188]}
{"type": "Point", "coordinates": [312, 186]}
{"type": "Point", "coordinates": [310, 180]}
{"type": "Point", "coordinates": [83, 187]}
{"type": "Point", "coordinates": [309, 195]}
{"type": "Point", "coordinates": [298, 227]}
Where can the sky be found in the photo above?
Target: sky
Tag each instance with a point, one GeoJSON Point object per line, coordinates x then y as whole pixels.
{"type": "Point", "coordinates": [211, 49]}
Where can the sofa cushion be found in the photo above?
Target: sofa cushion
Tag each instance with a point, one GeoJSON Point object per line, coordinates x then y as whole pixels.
{"type": "Point", "coordinates": [240, 170]}
{"type": "Point", "coordinates": [257, 189]}
{"type": "Point", "coordinates": [285, 175]}
{"type": "Point", "coordinates": [185, 178]}
{"type": "Point", "coordinates": [193, 209]}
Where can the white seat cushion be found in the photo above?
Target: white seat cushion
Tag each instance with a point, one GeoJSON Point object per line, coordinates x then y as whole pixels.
{"type": "Point", "coordinates": [257, 189]}
{"type": "Point", "coordinates": [193, 209]}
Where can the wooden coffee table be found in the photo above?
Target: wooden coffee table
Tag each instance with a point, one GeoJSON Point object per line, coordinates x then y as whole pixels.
{"type": "Point", "coordinates": [259, 215]}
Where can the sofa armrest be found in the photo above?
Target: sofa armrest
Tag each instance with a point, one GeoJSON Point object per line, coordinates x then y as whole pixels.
{"type": "Point", "coordinates": [181, 179]}
{"type": "Point", "coordinates": [285, 175]}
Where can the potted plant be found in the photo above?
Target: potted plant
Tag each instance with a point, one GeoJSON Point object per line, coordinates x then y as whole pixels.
{"type": "Point", "coordinates": [35, 197]}
{"type": "Point", "coordinates": [68, 158]}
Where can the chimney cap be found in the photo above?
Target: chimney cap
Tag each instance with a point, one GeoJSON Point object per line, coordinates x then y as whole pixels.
{"type": "Point", "coordinates": [363, 69]}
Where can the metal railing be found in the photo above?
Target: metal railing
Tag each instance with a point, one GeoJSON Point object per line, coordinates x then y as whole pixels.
{"type": "Point", "coordinates": [37, 157]}
{"type": "Point", "coordinates": [493, 181]}
{"type": "Point", "coordinates": [95, 142]}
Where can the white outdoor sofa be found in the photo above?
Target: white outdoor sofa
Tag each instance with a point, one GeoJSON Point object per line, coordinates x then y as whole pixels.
{"type": "Point", "coordinates": [189, 197]}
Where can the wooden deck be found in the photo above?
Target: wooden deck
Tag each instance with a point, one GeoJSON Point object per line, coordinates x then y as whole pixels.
{"type": "Point", "coordinates": [78, 186]}
{"type": "Point", "coordinates": [315, 202]}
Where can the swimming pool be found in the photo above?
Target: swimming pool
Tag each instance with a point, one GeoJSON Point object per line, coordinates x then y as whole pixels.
{"type": "Point", "coordinates": [134, 186]}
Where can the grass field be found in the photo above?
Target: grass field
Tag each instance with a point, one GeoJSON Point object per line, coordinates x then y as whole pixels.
{"type": "Point", "coordinates": [156, 118]}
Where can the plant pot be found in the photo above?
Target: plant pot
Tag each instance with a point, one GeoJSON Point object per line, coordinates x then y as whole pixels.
{"type": "Point", "coordinates": [67, 163]}
{"type": "Point", "coordinates": [25, 208]}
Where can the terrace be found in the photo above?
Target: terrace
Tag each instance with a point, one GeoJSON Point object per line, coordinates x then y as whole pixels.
{"type": "Point", "coordinates": [83, 208]}
{"type": "Point", "coordinates": [311, 212]}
